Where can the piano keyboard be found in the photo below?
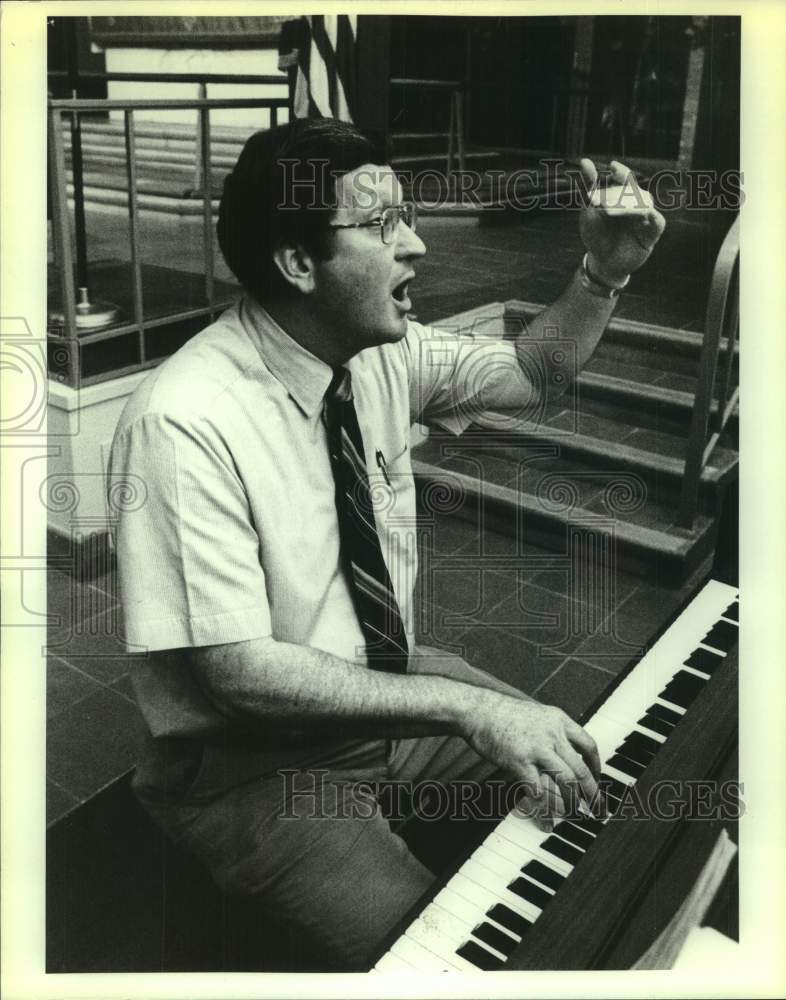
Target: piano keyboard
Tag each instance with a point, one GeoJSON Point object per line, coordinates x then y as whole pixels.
{"type": "Point", "coordinates": [483, 912]}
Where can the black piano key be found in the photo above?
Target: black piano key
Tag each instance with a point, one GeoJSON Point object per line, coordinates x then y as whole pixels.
{"type": "Point", "coordinates": [588, 823]}
{"type": "Point", "coordinates": [611, 786]}
{"type": "Point", "coordinates": [569, 831]}
{"type": "Point", "coordinates": [545, 875]}
{"type": "Point", "coordinates": [529, 891]}
{"type": "Point", "coordinates": [562, 850]}
{"type": "Point", "coordinates": [634, 753]}
{"type": "Point", "coordinates": [667, 714]}
{"type": "Point", "coordinates": [639, 746]}
{"type": "Point", "coordinates": [733, 611]}
{"type": "Point", "coordinates": [722, 636]}
{"type": "Point", "coordinates": [506, 917]}
{"type": "Point", "coordinates": [682, 689]}
{"type": "Point", "coordinates": [704, 660]}
{"type": "Point", "coordinates": [626, 765]}
{"type": "Point", "coordinates": [612, 805]}
{"type": "Point", "coordinates": [479, 957]}
{"type": "Point", "coordinates": [646, 743]}
{"type": "Point", "coordinates": [656, 725]}
{"type": "Point", "coordinates": [492, 935]}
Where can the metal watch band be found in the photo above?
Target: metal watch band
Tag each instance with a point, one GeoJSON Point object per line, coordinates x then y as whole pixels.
{"type": "Point", "coordinates": [596, 287]}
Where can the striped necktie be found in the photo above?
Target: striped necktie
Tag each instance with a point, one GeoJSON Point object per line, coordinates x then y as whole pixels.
{"type": "Point", "coordinates": [372, 590]}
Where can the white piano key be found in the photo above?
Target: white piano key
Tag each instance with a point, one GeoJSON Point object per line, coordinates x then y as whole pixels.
{"type": "Point", "coordinates": [393, 963]}
{"type": "Point", "coordinates": [613, 772]}
{"type": "Point", "coordinates": [522, 856]}
{"type": "Point", "coordinates": [504, 867]}
{"type": "Point", "coordinates": [420, 958]}
{"type": "Point", "coordinates": [701, 674]}
{"type": "Point", "coordinates": [659, 737]}
{"type": "Point", "coordinates": [714, 649]}
{"type": "Point", "coordinates": [512, 852]}
{"type": "Point", "coordinates": [441, 945]}
{"type": "Point", "coordinates": [511, 831]}
{"type": "Point", "coordinates": [607, 733]}
{"type": "Point", "coordinates": [478, 872]}
{"type": "Point", "coordinates": [471, 913]}
{"type": "Point", "coordinates": [670, 704]}
{"type": "Point", "coordinates": [651, 733]}
{"type": "Point", "coordinates": [442, 921]}
{"type": "Point", "coordinates": [523, 830]}
{"type": "Point", "coordinates": [606, 747]}
{"type": "Point", "coordinates": [484, 896]}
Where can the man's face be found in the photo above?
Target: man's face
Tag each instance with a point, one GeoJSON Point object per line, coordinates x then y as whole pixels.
{"type": "Point", "coordinates": [361, 294]}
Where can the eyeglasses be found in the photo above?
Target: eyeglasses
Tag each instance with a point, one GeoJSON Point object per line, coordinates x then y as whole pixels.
{"type": "Point", "coordinates": [387, 222]}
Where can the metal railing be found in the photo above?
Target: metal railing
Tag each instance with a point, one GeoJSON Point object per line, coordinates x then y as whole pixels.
{"type": "Point", "coordinates": [722, 322]}
{"type": "Point", "coordinates": [456, 116]}
{"type": "Point", "coordinates": [201, 80]}
{"type": "Point", "coordinates": [76, 108]}
{"type": "Point", "coordinates": [277, 78]}
{"type": "Point", "coordinates": [62, 229]}
{"type": "Point", "coordinates": [454, 88]}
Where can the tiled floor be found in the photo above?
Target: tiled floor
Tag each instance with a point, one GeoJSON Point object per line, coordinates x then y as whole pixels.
{"type": "Point", "coordinates": [92, 718]}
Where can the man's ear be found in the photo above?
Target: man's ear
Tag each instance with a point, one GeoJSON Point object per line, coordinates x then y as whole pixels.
{"type": "Point", "coordinates": [296, 265]}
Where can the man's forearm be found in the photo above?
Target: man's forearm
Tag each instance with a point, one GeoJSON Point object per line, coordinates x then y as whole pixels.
{"type": "Point", "coordinates": [294, 687]}
{"type": "Point", "coordinates": [578, 316]}
{"type": "Point", "coordinates": [288, 687]}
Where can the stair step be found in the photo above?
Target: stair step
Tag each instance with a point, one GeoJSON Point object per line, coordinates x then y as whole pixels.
{"type": "Point", "coordinates": [651, 406]}
{"type": "Point", "coordinates": [664, 340]}
{"type": "Point", "coordinates": [160, 130]}
{"type": "Point", "coordinates": [653, 454]}
{"type": "Point", "coordinates": [638, 363]}
{"type": "Point", "coordinates": [432, 158]}
{"type": "Point", "coordinates": [539, 511]}
{"type": "Point", "coordinates": [505, 319]}
{"type": "Point", "coordinates": [405, 136]}
{"type": "Point", "coordinates": [412, 143]}
{"type": "Point", "coordinates": [155, 157]}
{"type": "Point", "coordinates": [649, 393]}
{"type": "Point", "coordinates": [176, 203]}
{"type": "Point", "coordinates": [163, 184]}
{"type": "Point", "coordinates": [112, 143]}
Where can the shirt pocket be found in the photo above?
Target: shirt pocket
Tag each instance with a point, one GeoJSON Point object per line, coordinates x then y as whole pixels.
{"type": "Point", "coordinates": [391, 482]}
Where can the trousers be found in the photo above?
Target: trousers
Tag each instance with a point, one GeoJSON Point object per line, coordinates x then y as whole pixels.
{"type": "Point", "coordinates": [309, 839]}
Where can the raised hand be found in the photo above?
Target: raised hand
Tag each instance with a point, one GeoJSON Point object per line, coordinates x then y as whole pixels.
{"type": "Point", "coordinates": [620, 224]}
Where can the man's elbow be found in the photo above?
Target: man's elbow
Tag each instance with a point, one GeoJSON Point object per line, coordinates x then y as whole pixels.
{"type": "Point", "coordinates": [222, 672]}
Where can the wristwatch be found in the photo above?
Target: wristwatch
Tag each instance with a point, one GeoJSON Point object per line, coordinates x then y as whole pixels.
{"type": "Point", "coordinates": [597, 287]}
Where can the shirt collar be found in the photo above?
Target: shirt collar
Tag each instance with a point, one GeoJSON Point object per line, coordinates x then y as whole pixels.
{"type": "Point", "coordinates": [302, 374]}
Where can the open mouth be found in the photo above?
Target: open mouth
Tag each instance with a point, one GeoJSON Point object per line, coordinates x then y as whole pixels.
{"type": "Point", "coordinates": [401, 295]}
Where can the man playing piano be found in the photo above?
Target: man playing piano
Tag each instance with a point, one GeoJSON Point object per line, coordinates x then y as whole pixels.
{"type": "Point", "coordinates": [269, 572]}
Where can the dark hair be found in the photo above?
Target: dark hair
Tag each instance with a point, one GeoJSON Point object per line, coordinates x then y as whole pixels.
{"type": "Point", "coordinates": [283, 190]}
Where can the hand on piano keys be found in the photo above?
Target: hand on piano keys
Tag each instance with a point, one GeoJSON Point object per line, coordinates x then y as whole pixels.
{"type": "Point", "coordinates": [482, 915]}
{"type": "Point", "coordinates": [539, 747]}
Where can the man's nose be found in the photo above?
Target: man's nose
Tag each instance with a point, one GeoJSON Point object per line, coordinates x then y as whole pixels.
{"type": "Point", "coordinates": [408, 243]}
